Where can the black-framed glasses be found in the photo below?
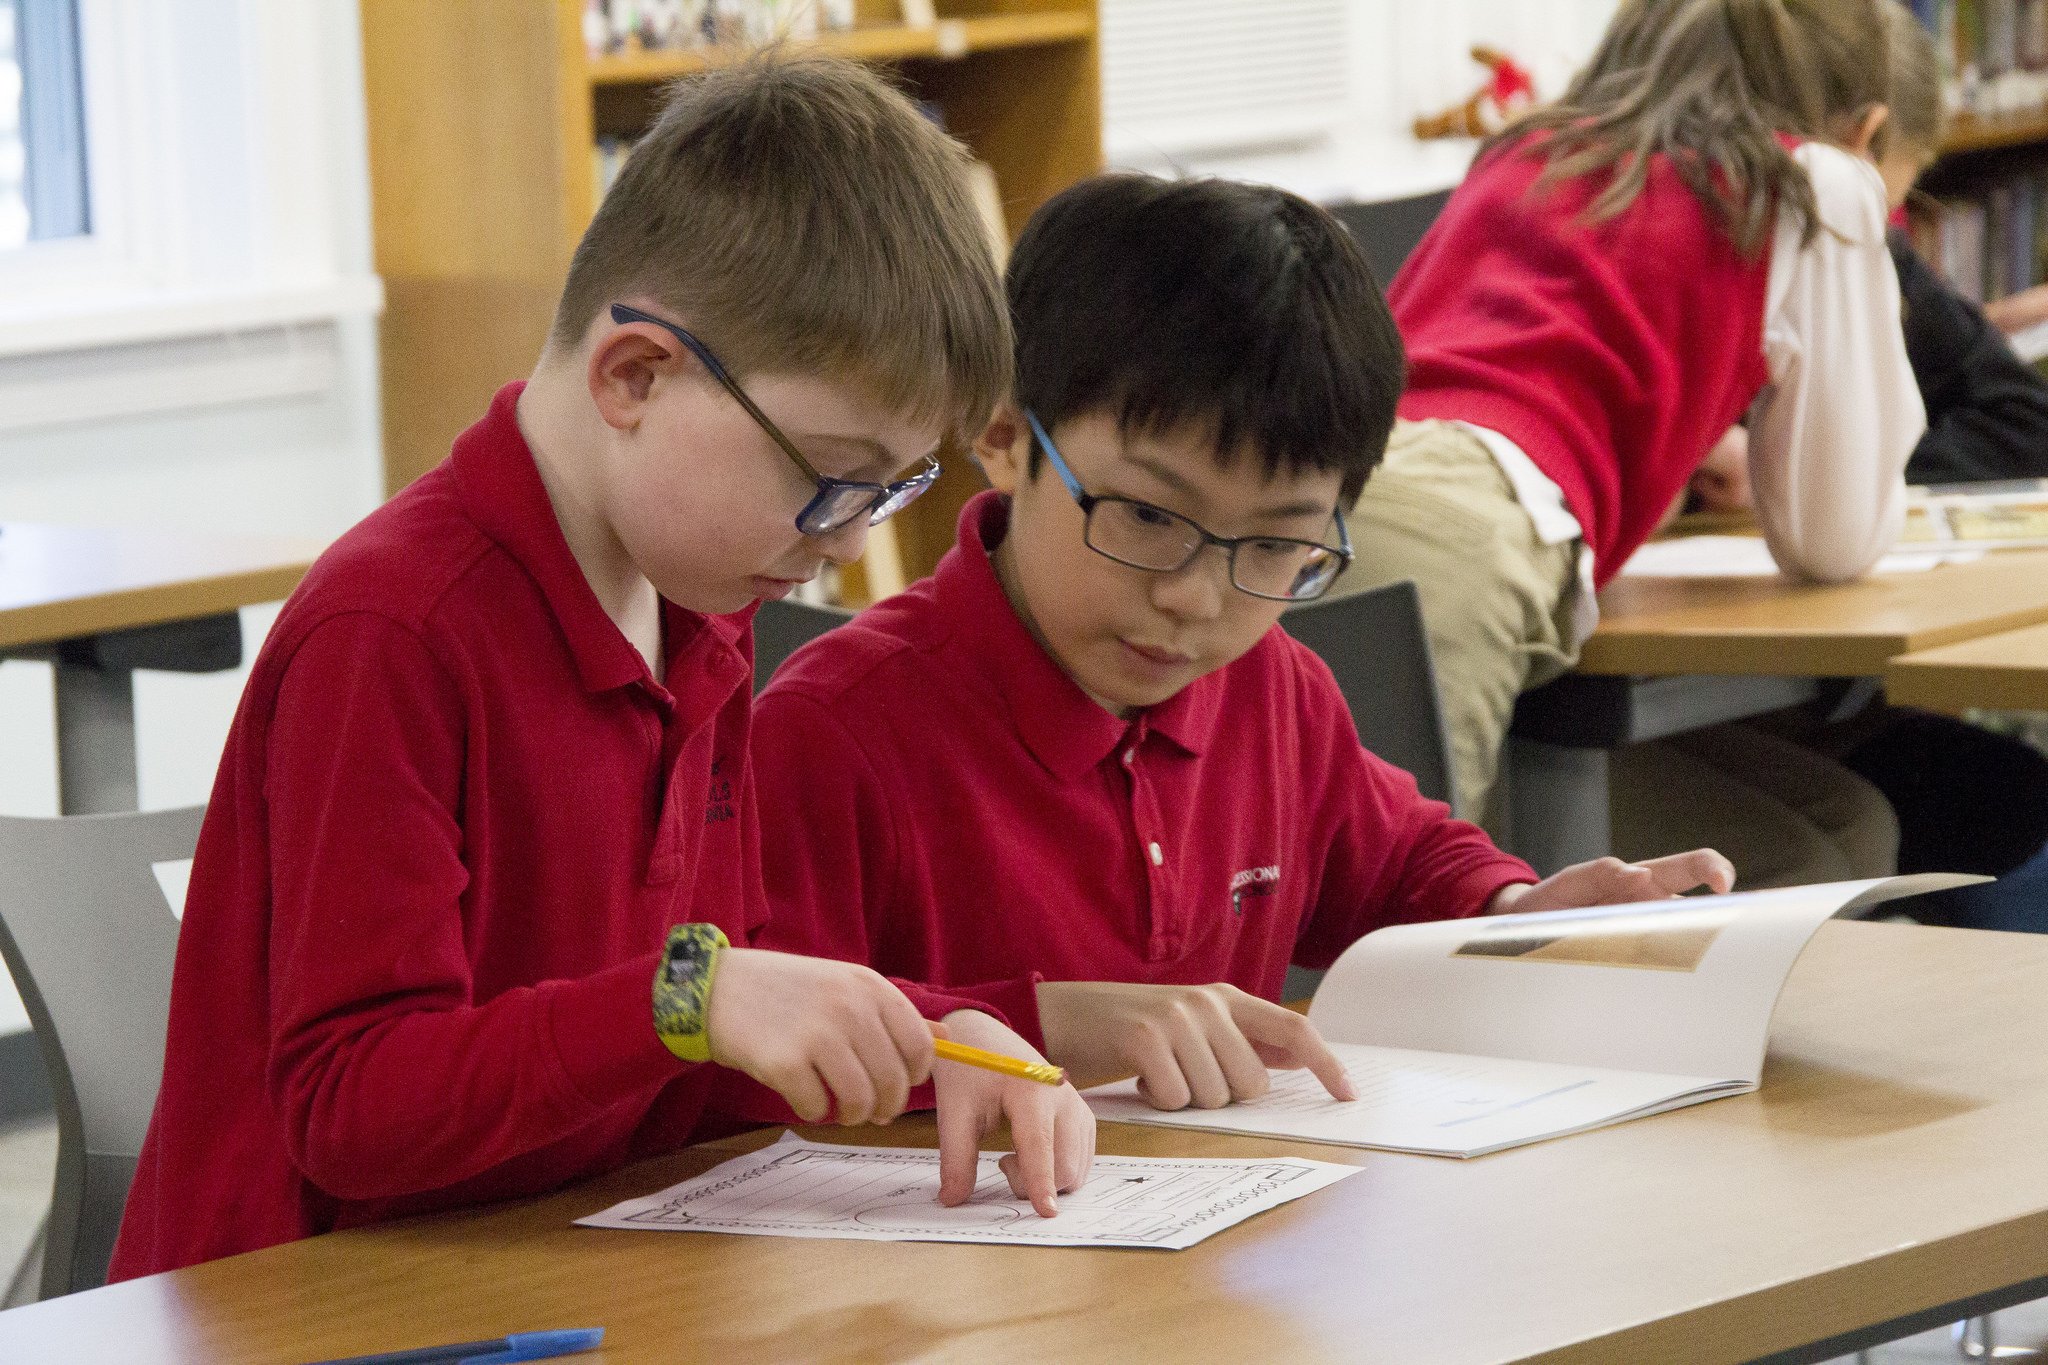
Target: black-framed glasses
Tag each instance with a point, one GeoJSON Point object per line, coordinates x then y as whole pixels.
{"type": "Point", "coordinates": [838, 501]}
{"type": "Point", "coordinates": [1279, 568]}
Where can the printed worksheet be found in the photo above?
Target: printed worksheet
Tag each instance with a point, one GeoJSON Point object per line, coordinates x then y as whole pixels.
{"type": "Point", "coordinates": [891, 1194]}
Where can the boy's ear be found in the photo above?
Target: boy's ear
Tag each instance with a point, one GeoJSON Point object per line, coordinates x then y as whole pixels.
{"type": "Point", "coordinates": [624, 363]}
{"type": "Point", "coordinates": [1004, 448]}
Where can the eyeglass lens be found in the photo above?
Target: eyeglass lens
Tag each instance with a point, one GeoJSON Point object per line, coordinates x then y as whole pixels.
{"type": "Point", "coordinates": [1147, 537]}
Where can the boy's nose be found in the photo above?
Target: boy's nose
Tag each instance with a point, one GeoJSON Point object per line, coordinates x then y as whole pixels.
{"type": "Point", "coordinates": [1196, 591]}
{"type": "Point", "coordinates": [846, 543]}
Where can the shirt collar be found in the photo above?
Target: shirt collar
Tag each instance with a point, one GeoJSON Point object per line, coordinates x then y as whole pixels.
{"type": "Point", "coordinates": [1063, 727]}
{"type": "Point", "coordinates": [502, 492]}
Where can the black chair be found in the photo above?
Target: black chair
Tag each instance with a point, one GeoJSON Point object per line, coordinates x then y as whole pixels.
{"type": "Point", "coordinates": [1375, 644]}
{"type": "Point", "coordinates": [782, 628]}
{"type": "Point", "coordinates": [1387, 231]}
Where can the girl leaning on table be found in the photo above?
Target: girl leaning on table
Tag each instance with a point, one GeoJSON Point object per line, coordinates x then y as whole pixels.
{"type": "Point", "coordinates": [1689, 235]}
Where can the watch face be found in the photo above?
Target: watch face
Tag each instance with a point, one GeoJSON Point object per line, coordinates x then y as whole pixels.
{"type": "Point", "coordinates": [686, 957]}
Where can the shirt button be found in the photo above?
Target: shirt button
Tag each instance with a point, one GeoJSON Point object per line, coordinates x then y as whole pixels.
{"type": "Point", "coordinates": [1130, 757]}
{"type": "Point", "coordinates": [1158, 858]}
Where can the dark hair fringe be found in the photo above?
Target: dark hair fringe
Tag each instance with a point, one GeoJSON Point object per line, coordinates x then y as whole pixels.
{"type": "Point", "coordinates": [1238, 309]}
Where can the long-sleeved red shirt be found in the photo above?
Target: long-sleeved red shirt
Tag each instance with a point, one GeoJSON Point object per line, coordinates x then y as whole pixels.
{"type": "Point", "coordinates": [1614, 354]}
{"type": "Point", "coordinates": [951, 807]}
{"type": "Point", "coordinates": [454, 822]}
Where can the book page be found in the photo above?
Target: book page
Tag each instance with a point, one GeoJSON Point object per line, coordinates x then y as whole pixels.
{"type": "Point", "coordinates": [1437, 1103]}
{"type": "Point", "coordinates": [1680, 987]}
{"type": "Point", "coordinates": [891, 1194]}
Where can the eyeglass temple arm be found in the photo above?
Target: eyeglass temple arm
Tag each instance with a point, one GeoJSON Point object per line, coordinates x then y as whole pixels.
{"type": "Point", "coordinates": [718, 372]}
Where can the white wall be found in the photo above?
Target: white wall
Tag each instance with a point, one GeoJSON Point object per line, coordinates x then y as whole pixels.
{"type": "Point", "coordinates": [264, 423]}
{"type": "Point", "coordinates": [1403, 58]}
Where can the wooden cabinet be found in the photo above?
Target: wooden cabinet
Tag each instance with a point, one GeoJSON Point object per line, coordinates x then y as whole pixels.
{"type": "Point", "coordinates": [483, 121]}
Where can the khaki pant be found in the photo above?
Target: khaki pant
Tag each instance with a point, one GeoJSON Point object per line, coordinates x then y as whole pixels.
{"type": "Point", "coordinates": [1783, 814]}
{"type": "Point", "coordinates": [1496, 600]}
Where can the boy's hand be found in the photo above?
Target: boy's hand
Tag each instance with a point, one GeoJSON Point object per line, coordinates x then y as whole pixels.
{"type": "Point", "coordinates": [1610, 881]}
{"type": "Point", "coordinates": [1199, 1045]}
{"type": "Point", "coordinates": [821, 1034]}
{"type": "Point", "coordinates": [1052, 1126]}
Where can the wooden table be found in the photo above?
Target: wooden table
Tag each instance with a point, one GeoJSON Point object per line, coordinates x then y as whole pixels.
{"type": "Point", "coordinates": [2008, 671]}
{"type": "Point", "coordinates": [101, 603]}
{"type": "Point", "coordinates": [1673, 654]}
{"type": "Point", "coordinates": [1891, 1175]}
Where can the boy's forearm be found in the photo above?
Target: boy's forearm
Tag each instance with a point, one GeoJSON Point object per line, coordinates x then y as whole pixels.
{"type": "Point", "coordinates": [408, 1097]}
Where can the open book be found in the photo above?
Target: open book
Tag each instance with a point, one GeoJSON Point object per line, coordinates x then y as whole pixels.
{"type": "Point", "coordinates": [1464, 1037]}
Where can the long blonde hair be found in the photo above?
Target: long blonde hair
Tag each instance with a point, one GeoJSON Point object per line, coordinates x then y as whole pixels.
{"type": "Point", "coordinates": [1709, 84]}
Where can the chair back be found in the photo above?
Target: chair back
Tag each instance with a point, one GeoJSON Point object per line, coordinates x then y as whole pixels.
{"type": "Point", "coordinates": [1375, 644]}
{"type": "Point", "coordinates": [782, 628]}
{"type": "Point", "coordinates": [1388, 230]}
{"type": "Point", "coordinates": [88, 933]}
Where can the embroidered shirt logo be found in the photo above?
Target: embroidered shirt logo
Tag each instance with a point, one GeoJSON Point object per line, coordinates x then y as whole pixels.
{"type": "Point", "coordinates": [718, 806]}
{"type": "Point", "coordinates": [1253, 881]}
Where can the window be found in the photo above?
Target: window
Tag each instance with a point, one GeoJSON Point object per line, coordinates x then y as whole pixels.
{"type": "Point", "coordinates": [42, 141]}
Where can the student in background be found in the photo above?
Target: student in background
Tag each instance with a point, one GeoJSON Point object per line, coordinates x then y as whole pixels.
{"type": "Point", "coordinates": [1082, 769]}
{"type": "Point", "coordinates": [1619, 278]}
{"type": "Point", "coordinates": [1966, 800]}
{"type": "Point", "coordinates": [486, 815]}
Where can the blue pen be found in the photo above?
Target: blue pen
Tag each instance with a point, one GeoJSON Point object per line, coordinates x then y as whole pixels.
{"type": "Point", "coordinates": [502, 1351]}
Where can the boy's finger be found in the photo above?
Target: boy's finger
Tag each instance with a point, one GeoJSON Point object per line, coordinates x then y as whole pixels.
{"type": "Point", "coordinates": [1244, 1071]}
{"type": "Point", "coordinates": [853, 1094]}
{"type": "Point", "coordinates": [1160, 1083]}
{"type": "Point", "coordinates": [1683, 871]}
{"type": "Point", "coordinates": [1030, 1167]}
{"type": "Point", "coordinates": [1302, 1041]}
{"type": "Point", "coordinates": [1204, 1074]}
{"type": "Point", "coordinates": [805, 1091]}
{"type": "Point", "coordinates": [910, 1033]}
{"type": "Point", "coordinates": [1073, 1144]}
{"type": "Point", "coordinates": [959, 1153]}
{"type": "Point", "coordinates": [887, 1076]}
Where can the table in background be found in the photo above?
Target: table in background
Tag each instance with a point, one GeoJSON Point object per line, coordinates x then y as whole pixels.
{"type": "Point", "coordinates": [2008, 672]}
{"type": "Point", "coordinates": [101, 603]}
{"type": "Point", "coordinates": [1675, 654]}
{"type": "Point", "coordinates": [1888, 1178]}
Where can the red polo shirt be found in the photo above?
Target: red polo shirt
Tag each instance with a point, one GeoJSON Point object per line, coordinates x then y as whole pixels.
{"type": "Point", "coordinates": [970, 816]}
{"type": "Point", "coordinates": [455, 820]}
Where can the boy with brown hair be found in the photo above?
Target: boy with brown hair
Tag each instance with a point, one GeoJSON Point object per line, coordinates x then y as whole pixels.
{"type": "Point", "coordinates": [489, 787]}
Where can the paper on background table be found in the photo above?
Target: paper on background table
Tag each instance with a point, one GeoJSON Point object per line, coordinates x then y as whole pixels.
{"type": "Point", "coordinates": [891, 1194]}
{"type": "Point", "coordinates": [1468, 1036]}
{"type": "Point", "coordinates": [1749, 557]}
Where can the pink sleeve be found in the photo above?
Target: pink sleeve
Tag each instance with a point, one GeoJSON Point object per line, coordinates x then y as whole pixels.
{"type": "Point", "coordinates": [372, 999]}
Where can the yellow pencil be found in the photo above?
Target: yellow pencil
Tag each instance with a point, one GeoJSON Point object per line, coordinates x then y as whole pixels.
{"type": "Point", "coordinates": [1042, 1072]}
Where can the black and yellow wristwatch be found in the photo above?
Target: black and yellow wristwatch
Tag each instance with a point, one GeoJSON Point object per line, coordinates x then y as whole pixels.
{"type": "Point", "coordinates": [682, 989]}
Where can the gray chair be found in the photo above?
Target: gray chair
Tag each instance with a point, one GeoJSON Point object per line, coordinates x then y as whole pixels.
{"type": "Point", "coordinates": [782, 628]}
{"type": "Point", "coordinates": [89, 937]}
{"type": "Point", "coordinates": [1375, 644]}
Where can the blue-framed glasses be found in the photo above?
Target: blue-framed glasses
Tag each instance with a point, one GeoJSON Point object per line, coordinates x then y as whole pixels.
{"type": "Point", "coordinates": [838, 501]}
{"type": "Point", "coordinates": [1142, 536]}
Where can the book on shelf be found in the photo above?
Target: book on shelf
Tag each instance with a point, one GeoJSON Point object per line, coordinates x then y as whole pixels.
{"type": "Point", "coordinates": [1994, 53]}
{"type": "Point", "coordinates": [1464, 1037]}
{"type": "Point", "coordinates": [1988, 241]}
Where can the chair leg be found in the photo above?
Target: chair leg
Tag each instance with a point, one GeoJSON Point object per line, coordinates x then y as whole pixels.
{"type": "Point", "coordinates": [1977, 1339]}
{"type": "Point", "coordinates": [28, 1271]}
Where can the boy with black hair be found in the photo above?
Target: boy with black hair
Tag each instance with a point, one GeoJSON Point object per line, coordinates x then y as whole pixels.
{"type": "Point", "coordinates": [1081, 771]}
{"type": "Point", "coordinates": [479, 888]}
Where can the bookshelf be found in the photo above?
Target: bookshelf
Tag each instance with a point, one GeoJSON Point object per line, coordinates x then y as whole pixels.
{"type": "Point", "coordinates": [483, 121]}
